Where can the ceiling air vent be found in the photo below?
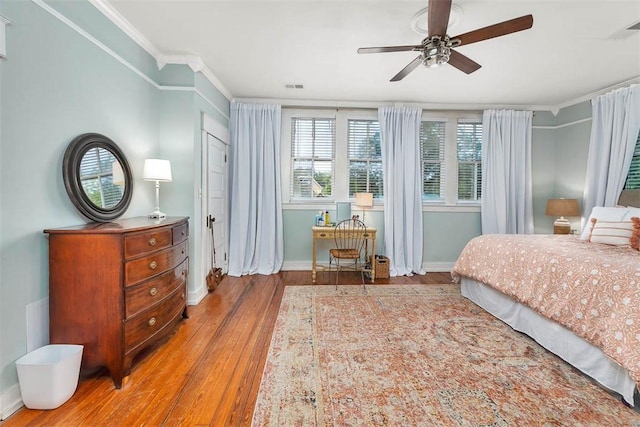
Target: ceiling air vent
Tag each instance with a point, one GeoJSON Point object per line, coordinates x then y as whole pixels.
{"type": "Point", "coordinates": [294, 86]}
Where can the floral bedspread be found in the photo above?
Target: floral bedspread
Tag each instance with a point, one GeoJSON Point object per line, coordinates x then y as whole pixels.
{"type": "Point", "coordinates": [590, 288]}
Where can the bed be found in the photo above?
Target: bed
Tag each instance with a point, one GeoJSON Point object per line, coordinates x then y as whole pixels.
{"type": "Point", "coordinates": [576, 295]}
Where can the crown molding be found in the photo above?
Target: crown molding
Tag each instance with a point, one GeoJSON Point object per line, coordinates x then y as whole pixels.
{"type": "Point", "coordinates": [311, 103]}
{"type": "Point", "coordinates": [120, 21]}
{"type": "Point", "coordinates": [193, 61]}
{"type": "Point", "coordinates": [590, 96]}
{"type": "Point", "coordinates": [197, 65]}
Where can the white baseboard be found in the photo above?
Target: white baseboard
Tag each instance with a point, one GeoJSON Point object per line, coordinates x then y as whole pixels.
{"type": "Point", "coordinates": [296, 265]}
{"type": "Point", "coordinates": [11, 401]}
{"type": "Point", "coordinates": [196, 296]}
{"type": "Point", "coordinates": [438, 267]}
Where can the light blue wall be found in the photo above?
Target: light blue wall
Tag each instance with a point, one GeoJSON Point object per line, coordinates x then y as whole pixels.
{"type": "Point", "coordinates": [572, 149]}
{"type": "Point", "coordinates": [55, 85]}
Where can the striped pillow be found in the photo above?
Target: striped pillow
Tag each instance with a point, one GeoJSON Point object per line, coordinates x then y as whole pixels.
{"type": "Point", "coordinates": [635, 237]}
{"type": "Point", "coordinates": [616, 233]}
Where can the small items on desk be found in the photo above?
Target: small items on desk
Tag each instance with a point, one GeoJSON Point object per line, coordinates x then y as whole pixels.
{"type": "Point", "coordinates": [322, 219]}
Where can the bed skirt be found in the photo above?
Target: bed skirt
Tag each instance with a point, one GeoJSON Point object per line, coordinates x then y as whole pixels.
{"type": "Point", "coordinates": [555, 338]}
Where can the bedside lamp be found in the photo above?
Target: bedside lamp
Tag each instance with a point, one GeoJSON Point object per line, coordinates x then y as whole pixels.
{"type": "Point", "coordinates": [157, 170]}
{"type": "Point", "coordinates": [364, 200]}
{"type": "Point", "coordinates": [562, 208]}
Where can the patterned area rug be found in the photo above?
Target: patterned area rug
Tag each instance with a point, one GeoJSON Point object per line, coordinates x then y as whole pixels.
{"type": "Point", "coordinates": [416, 355]}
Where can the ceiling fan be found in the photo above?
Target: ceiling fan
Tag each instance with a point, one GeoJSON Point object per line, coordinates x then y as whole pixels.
{"type": "Point", "coordinates": [437, 47]}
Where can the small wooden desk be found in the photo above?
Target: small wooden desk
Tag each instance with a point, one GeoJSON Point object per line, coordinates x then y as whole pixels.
{"type": "Point", "coordinates": [328, 233]}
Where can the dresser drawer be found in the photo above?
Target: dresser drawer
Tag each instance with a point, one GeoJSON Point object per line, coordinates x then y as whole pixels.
{"type": "Point", "coordinates": [180, 233]}
{"type": "Point", "coordinates": [140, 297]}
{"type": "Point", "coordinates": [149, 241]}
{"type": "Point", "coordinates": [145, 325]}
{"type": "Point", "coordinates": [151, 265]}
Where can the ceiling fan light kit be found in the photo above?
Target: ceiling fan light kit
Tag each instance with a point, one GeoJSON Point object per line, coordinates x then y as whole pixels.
{"type": "Point", "coordinates": [437, 48]}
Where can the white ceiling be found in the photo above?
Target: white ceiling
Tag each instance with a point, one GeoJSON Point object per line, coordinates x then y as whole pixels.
{"type": "Point", "coordinates": [255, 48]}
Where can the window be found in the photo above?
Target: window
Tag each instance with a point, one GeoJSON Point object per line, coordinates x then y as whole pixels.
{"type": "Point", "coordinates": [365, 157]}
{"type": "Point", "coordinates": [633, 177]}
{"type": "Point", "coordinates": [312, 157]}
{"type": "Point", "coordinates": [469, 149]}
{"type": "Point", "coordinates": [330, 154]}
{"type": "Point", "coordinates": [432, 147]}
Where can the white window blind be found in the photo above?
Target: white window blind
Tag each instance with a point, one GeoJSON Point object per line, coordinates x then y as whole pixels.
{"type": "Point", "coordinates": [469, 143]}
{"type": "Point", "coordinates": [633, 177]}
{"type": "Point", "coordinates": [313, 157]}
{"type": "Point", "coordinates": [365, 157]}
{"type": "Point", "coordinates": [432, 146]}
{"type": "Point", "coordinates": [96, 177]}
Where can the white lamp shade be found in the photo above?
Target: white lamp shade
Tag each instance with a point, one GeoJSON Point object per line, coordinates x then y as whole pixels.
{"type": "Point", "coordinates": [157, 170]}
{"type": "Point", "coordinates": [364, 200]}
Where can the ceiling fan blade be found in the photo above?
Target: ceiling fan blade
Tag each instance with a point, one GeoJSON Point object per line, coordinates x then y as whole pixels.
{"type": "Point", "coordinates": [389, 49]}
{"type": "Point", "coordinates": [406, 70]}
{"type": "Point", "coordinates": [439, 11]}
{"type": "Point", "coordinates": [496, 30]}
{"type": "Point", "coordinates": [463, 63]}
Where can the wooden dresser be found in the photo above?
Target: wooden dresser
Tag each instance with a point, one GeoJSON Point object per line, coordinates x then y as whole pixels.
{"type": "Point", "coordinates": [117, 287]}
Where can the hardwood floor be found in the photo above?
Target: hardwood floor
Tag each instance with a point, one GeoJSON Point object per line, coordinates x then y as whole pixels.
{"type": "Point", "coordinates": [207, 373]}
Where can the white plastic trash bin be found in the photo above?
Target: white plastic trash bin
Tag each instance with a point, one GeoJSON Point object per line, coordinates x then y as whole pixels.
{"type": "Point", "coordinates": [48, 376]}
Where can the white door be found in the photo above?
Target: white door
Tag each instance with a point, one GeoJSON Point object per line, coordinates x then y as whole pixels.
{"type": "Point", "coordinates": [216, 199]}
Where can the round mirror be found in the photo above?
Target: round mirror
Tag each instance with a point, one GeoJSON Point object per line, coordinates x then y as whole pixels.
{"type": "Point", "coordinates": [97, 177]}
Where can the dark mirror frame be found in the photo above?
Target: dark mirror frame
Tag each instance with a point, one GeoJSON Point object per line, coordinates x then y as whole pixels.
{"type": "Point", "coordinates": [71, 176]}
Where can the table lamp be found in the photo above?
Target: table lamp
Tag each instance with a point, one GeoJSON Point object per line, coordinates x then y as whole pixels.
{"type": "Point", "coordinates": [364, 200]}
{"type": "Point", "coordinates": [157, 170]}
{"type": "Point", "coordinates": [562, 208]}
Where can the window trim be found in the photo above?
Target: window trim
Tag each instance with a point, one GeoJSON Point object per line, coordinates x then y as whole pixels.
{"type": "Point", "coordinates": [369, 161]}
{"type": "Point", "coordinates": [634, 165]}
{"type": "Point", "coordinates": [451, 118]}
{"type": "Point", "coordinates": [341, 174]}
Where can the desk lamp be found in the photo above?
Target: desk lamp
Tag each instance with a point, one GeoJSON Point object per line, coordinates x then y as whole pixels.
{"type": "Point", "coordinates": [364, 200]}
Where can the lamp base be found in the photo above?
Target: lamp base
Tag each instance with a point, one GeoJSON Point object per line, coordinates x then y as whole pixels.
{"type": "Point", "coordinates": [561, 226]}
{"type": "Point", "coordinates": [157, 215]}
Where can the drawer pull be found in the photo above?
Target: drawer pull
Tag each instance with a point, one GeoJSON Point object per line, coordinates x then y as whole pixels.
{"type": "Point", "coordinates": [322, 235]}
{"type": "Point", "coordinates": [152, 241]}
{"type": "Point", "coordinates": [153, 265]}
{"type": "Point", "coordinates": [183, 233]}
{"type": "Point", "coordinates": [183, 272]}
{"type": "Point", "coordinates": [152, 321]}
{"type": "Point", "coordinates": [182, 252]}
{"type": "Point", "coordinates": [153, 292]}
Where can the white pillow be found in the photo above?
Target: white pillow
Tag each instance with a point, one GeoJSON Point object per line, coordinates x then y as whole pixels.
{"type": "Point", "coordinates": [604, 214]}
{"type": "Point", "coordinates": [631, 212]}
{"type": "Point", "coordinates": [616, 233]}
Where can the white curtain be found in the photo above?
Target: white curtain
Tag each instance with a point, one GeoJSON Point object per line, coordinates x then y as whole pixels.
{"type": "Point", "coordinates": [400, 141]}
{"type": "Point", "coordinates": [614, 132]}
{"type": "Point", "coordinates": [256, 239]}
{"type": "Point", "coordinates": [506, 172]}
